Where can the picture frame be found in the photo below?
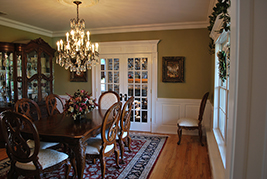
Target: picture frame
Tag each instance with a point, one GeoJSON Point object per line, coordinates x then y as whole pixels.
{"type": "Point", "coordinates": [173, 69]}
{"type": "Point", "coordinates": [78, 78]}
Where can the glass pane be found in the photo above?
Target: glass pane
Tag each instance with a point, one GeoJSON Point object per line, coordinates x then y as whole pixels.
{"type": "Point", "coordinates": [222, 123]}
{"type": "Point", "coordinates": [130, 77]}
{"type": "Point", "coordinates": [131, 118]}
{"type": "Point", "coordinates": [222, 99]}
{"type": "Point", "coordinates": [137, 90]}
{"type": "Point", "coordinates": [116, 64]}
{"type": "Point", "coordinates": [144, 103]}
{"type": "Point", "coordinates": [144, 116]}
{"type": "Point", "coordinates": [109, 64]}
{"type": "Point", "coordinates": [19, 66]}
{"type": "Point", "coordinates": [103, 64]}
{"type": "Point", "coordinates": [144, 90]}
{"type": "Point", "coordinates": [137, 116]}
{"type": "Point", "coordinates": [31, 64]}
{"type": "Point", "coordinates": [144, 63]}
{"type": "Point", "coordinates": [33, 90]}
{"type": "Point", "coordinates": [130, 63]}
{"type": "Point", "coordinates": [45, 88]}
{"type": "Point", "coordinates": [19, 90]}
{"type": "Point", "coordinates": [144, 77]}
{"type": "Point", "coordinates": [137, 63]}
{"type": "Point", "coordinates": [110, 87]}
{"type": "Point", "coordinates": [117, 89]}
{"type": "Point", "coordinates": [130, 90]}
{"type": "Point", "coordinates": [45, 65]}
{"type": "Point", "coordinates": [116, 77]}
{"type": "Point", "coordinates": [103, 77]}
{"type": "Point", "coordinates": [137, 77]}
{"type": "Point", "coordinates": [110, 77]}
{"type": "Point", "coordinates": [103, 88]}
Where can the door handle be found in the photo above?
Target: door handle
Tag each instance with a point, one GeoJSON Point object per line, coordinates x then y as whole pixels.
{"type": "Point", "coordinates": [121, 97]}
{"type": "Point", "coordinates": [125, 97]}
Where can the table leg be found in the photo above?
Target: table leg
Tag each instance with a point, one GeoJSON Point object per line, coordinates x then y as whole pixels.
{"type": "Point", "coordinates": [78, 158]}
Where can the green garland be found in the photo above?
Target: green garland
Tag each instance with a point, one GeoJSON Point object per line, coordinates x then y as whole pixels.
{"type": "Point", "coordinates": [220, 8]}
{"type": "Point", "coordinates": [224, 63]}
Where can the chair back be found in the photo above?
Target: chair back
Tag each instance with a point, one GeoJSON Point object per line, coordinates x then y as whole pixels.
{"type": "Point", "coordinates": [202, 106]}
{"type": "Point", "coordinates": [12, 124]}
{"type": "Point", "coordinates": [28, 107]}
{"type": "Point", "coordinates": [112, 116]}
{"type": "Point", "coordinates": [52, 101]}
{"type": "Point", "coordinates": [125, 122]}
{"type": "Point", "coordinates": [107, 99]}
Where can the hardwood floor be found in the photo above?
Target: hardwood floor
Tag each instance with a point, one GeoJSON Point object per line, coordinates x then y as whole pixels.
{"type": "Point", "coordinates": [189, 160]}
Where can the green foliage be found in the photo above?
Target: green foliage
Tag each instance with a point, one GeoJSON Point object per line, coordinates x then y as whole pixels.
{"type": "Point", "coordinates": [220, 8]}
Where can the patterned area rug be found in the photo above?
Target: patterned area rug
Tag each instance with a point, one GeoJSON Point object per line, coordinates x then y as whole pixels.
{"type": "Point", "coordinates": [138, 163]}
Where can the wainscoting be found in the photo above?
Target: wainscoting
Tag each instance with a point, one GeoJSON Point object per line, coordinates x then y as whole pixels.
{"type": "Point", "coordinates": [168, 111]}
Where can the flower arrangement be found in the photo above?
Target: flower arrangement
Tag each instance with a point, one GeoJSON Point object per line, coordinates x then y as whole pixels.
{"type": "Point", "coordinates": [79, 104]}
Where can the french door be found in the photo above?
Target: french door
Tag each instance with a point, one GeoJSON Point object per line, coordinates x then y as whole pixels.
{"type": "Point", "coordinates": [128, 75]}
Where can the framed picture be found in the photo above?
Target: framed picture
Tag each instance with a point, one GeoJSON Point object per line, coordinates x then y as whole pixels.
{"type": "Point", "coordinates": [78, 78]}
{"type": "Point", "coordinates": [173, 69]}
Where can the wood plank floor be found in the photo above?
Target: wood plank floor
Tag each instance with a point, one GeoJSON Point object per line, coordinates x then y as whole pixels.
{"type": "Point", "coordinates": [189, 160]}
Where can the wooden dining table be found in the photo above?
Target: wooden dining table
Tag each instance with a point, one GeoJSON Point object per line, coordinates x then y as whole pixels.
{"type": "Point", "coordinates": [64, 129]}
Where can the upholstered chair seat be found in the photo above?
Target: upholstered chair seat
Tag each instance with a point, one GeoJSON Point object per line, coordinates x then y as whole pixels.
{"type": "Point", "coordinates": [188, 122]}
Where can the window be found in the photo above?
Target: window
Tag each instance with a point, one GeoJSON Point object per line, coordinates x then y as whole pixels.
{"type": "Point", "coordinates": [221, 97]}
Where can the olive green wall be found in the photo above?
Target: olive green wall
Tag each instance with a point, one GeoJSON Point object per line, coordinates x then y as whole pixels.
{"type": "Point", "coordinates": [8, 34]}
{"type": "Point", "coordinates": [190, 43]}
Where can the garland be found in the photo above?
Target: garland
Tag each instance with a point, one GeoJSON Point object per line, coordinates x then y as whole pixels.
{"type": "Point", "coordinates": [220, 8]}
{"type": "Point", "coordinates": [224, 62]}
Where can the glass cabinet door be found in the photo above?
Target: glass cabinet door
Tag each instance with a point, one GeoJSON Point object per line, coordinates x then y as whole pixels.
{"type": "Point", "coordinates": [6, 77]}
{"type": "Point", "coordinates": [45, 71]}
{"type": "Point", "coordinates": [19, 76]}
{"type": "Point", "coordinates": [32, 75]}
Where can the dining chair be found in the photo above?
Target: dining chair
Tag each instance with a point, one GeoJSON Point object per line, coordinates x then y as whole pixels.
{"type": "Point", "coordinates": [193, 123]}
{"type": "Point", "coordinates": [51, 102]}
{"type": "Point", "coordinates": [106, 145]}
{"type": "Point", "coordinates": [107, 99]}
{"type": "Point", "coordinates": [25, 160]}
{"type": "Point", "coordinates": [123, 137]}
{"type": "Point", "coordinates": [31, 109]}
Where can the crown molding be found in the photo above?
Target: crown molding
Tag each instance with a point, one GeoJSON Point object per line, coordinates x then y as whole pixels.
{"type": "Point", "coordinates": [140, 28]}
{"type": "Point", "coordinates": [106, 30]}
{"type": "Point", "coordinates": [25, 27]}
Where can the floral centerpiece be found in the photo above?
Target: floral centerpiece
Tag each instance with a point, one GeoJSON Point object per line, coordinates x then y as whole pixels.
{"type": "Point", "coordinates": [79, 104]}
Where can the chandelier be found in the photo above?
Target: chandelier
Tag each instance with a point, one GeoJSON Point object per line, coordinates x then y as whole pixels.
{"type": "Point", "coordinates": [77, 53]}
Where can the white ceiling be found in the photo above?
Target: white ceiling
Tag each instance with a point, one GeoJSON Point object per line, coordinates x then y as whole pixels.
{"type": "Point", "coordinates": [50, 17]}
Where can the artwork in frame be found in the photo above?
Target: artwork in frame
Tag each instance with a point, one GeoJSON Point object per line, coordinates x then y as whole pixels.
{"type": "Point", "coordinates": [173, 69]}
{"type": "Point", "coordinates": [78, 78]}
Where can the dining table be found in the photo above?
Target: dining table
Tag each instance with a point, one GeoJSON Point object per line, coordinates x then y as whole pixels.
{"type": "Point", "coordinates": [74, 133]}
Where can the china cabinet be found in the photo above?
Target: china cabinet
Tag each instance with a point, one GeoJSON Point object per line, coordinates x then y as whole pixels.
{"type": "Point", "coordinates": [25, 72]}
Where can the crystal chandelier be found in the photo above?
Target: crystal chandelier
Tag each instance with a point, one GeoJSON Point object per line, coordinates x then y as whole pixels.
{"type": "Point", "coordinates": [77, 53]}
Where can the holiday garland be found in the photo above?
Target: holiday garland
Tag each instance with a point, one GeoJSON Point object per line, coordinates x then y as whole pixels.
{"type": "Point", "coordinates": [220, 8]}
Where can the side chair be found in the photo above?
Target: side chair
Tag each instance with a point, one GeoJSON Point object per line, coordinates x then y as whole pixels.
{"type": "Point", "coordinates": [123, 137]}
{"type": "Point", "coordinates": [193, 123]}
{"type": "Point", "coordinates": [106, 145]}
{"type": "Point", "coordinates": [31, 109]}
{"type": "Point", "coordinates": [25, 160]}
{"type": "Point", "coordinates": [107, 99]}
{"type": "Point", "coordinates": [51, 102]}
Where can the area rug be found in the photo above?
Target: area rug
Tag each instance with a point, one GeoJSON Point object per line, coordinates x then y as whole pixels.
{"type": "Point", "coordinates": [138, 163]}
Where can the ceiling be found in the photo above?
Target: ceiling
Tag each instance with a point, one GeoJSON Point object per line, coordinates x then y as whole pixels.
{"type": "Point", "coordinates": [51, 17]}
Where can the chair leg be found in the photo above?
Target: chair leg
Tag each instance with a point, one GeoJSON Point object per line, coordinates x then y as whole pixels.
{"type": "Point", "coordinates": [103, 166]}
{"type": "Point", "coordinates": [117, 156]}
{"type": "Point", "coordinates": [67, 169]}
{"type": "Point", "coordinates": [129, 140]}
{"type": "Point", "coordinates": [179, 131]}
{"type": "Point", "coordinates": [200, 136]}
{"type": "Point", "coordinates": [121, 150]}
